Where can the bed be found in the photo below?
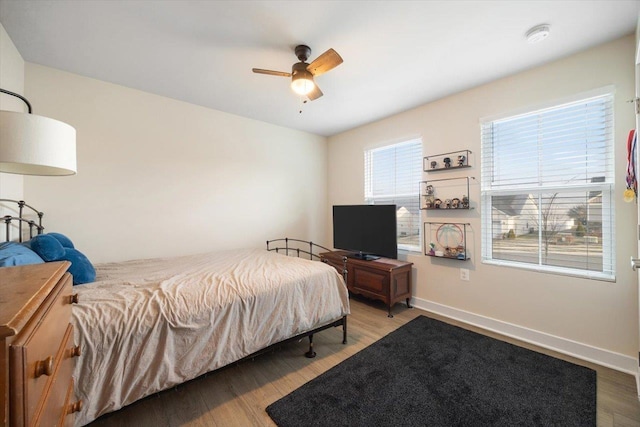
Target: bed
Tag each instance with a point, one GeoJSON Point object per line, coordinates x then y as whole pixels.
{"type": "Point", "coordinates": [148, 325]}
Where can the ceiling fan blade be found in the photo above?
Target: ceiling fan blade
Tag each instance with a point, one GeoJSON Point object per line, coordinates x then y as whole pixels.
{"type": "Point", "coordinates": [325, 62]}
{"type": "Point", "coordinates": [315, 93]}
{"type": "Point", "coordinates": [271, 73]}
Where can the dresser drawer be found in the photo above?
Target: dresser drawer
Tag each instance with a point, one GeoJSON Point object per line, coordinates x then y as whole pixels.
{"type": "Point", "coordinates": [35, 353]}
{"type": "Point", "coordinates": [56, 395]}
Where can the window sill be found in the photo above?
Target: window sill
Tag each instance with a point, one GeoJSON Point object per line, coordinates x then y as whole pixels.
{"type": "Point", "coordinates": [403, 254]}
{"type": "Point", "coordinates": [591, 275]}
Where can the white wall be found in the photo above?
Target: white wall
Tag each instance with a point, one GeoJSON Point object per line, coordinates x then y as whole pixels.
{"type": "Point", "coordinates": [598, 320]}
{"type": "Point", "coordinates": [12, 79]}
{"type": "Point", "coordinates": [160, 177]}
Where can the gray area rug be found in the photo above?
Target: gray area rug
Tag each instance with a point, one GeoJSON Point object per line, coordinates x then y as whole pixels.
{"type": "Point", "coordinates": [430, 373]}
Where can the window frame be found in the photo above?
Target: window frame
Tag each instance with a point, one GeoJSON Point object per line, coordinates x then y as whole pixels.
{"type": "Point", "coordinates": [369, 198]}
{"type": "Point", "coordinates": [607, 190]}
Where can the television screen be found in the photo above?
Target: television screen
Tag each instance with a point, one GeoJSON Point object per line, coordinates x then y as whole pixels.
{"type": "Point", "coordinates": [366, 230]}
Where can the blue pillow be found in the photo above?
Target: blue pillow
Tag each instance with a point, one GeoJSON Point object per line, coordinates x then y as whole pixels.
{"type": "Point", "coordinates": [81, 268]}
{"type": "Point", "coordinates": [12, 253]}
{"type": "Point", "coordinates": [48, 247]}
{"type": "Point", "coordinates": [64, 240]}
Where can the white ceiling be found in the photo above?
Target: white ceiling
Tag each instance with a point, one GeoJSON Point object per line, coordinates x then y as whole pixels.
{"type": "Point", "coordinates": [397, 54]}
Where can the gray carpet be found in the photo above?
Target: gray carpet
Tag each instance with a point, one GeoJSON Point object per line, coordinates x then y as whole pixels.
{"type": "Point", "coordinates": [429, 373]}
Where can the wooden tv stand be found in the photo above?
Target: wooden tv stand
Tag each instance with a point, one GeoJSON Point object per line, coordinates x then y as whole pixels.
{"type": "Point", "coordinates": [385, 279]}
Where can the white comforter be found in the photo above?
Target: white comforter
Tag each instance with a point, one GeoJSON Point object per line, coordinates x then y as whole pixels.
{"type": "Point", "coordinates": [145, 326]}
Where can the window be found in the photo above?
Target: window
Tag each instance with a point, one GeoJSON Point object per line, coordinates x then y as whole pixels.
{"type": "Point", "coordinates": [391, 176]}
{"type": "Point", "coordinates": [547, 187]}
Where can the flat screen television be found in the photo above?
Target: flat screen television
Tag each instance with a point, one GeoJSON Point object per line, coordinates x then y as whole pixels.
{"type": "Point", "coordinates": [368, 231]}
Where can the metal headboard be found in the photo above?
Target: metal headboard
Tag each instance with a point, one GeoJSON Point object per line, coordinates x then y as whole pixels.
{"type": "Point", "coordinates": [21, 220]}
{"type": "Point", "coordinates": [297, 250]}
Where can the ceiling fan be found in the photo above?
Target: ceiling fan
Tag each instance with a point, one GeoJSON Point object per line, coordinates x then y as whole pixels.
{"type": "Point", "coordinates": [302, 74]}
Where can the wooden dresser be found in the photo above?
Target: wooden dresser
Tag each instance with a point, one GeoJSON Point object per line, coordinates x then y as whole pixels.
{"type": "Point", "coordinates": [388, 280]}
{"type": "Point", "coordinates": [37, 353]}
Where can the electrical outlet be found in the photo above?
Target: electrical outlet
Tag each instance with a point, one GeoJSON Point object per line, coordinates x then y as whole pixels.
{"type": "Point", "coordinates": [464, 274]}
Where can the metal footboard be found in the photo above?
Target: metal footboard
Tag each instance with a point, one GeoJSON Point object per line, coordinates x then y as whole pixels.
{"type": "Point", "coordinates": [294, 246]}
{"type": "Point", "coordinates": [304, 248]}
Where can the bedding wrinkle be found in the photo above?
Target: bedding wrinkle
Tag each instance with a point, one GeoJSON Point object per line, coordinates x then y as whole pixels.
{"type": "Point", "coordinates": [148, 325]}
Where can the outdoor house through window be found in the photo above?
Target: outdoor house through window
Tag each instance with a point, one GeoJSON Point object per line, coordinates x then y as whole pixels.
{"type": "Point", "coordinates": [392, 174]}
{"type": "Point", "coordinates": [547, 187]}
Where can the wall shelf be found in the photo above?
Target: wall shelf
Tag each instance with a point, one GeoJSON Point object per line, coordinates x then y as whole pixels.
{"type": "Point", "coordinates": [446, 240]}
{"type": "Point", "coordinates": [445, 194]}
{"type": "Point", "coordinates": [447, 161]}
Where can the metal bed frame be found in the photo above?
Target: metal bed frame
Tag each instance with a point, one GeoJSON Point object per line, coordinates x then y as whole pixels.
{"type": "Point", "coordinates": [21, 220]}
{"type": "Point", "coordinates": [287, 249]}
{"type": "Point", "coordinates": [272, 245]}
{"type": "Point", "coordinates": [311, 253]}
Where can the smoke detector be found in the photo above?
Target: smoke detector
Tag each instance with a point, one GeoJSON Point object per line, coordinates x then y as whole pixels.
{"type": "Point", "coordinates": [538, 33]}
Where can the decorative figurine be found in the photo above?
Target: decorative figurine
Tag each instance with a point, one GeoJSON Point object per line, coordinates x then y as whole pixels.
{"type": "Point", "coordinates": [437, 203]}
{"type": "Point", "coordinates": [465, 202]}
{"type": "Point", "coordinates": [461, 159]}
{"type": "Point", "coordinates": [429, 196]}
{"type": "Point", "coordinates": [447, 162]}
{"type": "Point", "coordinates": [434, 164]}
{"type": "Point", "coordinates": [432, 248]}
{"type": "Point", "coordinates": [446, 204]}
{"type": "Point", "coordinates": [455, 203]}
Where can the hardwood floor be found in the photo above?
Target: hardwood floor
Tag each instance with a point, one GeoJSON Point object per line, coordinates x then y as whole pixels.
{"type": "Point", "coordinates": [238, 395]}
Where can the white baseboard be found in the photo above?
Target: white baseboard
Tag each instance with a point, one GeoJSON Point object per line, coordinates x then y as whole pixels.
{"type": "Point", "coordinates": [610, 359]}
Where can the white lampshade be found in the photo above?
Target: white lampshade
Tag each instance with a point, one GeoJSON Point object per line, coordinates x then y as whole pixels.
{"type": "Point", "coordinates": [36, 145]}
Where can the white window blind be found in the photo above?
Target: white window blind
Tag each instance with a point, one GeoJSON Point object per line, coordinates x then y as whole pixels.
{"type": "Point", "coordinates": [392, 176]}
{"type": "Point", "coordinates": [547, 187]}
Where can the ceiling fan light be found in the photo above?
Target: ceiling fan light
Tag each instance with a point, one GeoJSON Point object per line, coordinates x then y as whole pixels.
{"type": "Point", "coordinates": [302, 82]}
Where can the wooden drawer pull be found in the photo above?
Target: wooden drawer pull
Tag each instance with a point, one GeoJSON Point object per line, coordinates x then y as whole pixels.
{"type": "Point", "coordinates": [74, 299]}
{"type": "Point", "coordinates": [75, 407]}
{"type": "Point", "coordinates": [75, 351]}
{"type": "Point", "coordinates": [44, 367]}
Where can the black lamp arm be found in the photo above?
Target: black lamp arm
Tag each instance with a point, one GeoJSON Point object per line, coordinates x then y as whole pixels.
{"type": "Point", "coordinates": [8, 92]}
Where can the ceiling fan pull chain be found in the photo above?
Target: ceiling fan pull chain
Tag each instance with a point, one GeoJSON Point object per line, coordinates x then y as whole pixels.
{"type": "Point", "coordinates": [304, 101]}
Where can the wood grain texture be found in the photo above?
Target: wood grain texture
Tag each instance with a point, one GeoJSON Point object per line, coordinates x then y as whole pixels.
{"type": "Point", "coordinates": [238, 395]}
{"type": "Point", "coordinates": [35, 310]}
{"type": "Point", "coordinates": [18, 303]}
